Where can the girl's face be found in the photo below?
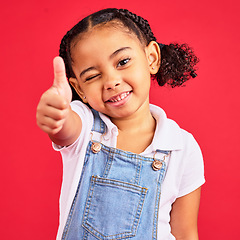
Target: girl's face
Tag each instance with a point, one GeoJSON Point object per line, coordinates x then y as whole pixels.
{"type": "Point", "coordinates": [113, 71]}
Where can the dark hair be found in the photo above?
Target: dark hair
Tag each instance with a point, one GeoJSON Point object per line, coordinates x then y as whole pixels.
{"type": "Point", "coordinates": [177, 61]}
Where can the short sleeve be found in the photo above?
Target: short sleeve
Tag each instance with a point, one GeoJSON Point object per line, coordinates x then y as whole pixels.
{"type": "Point", "coordinates": [87, 120]}
{"type": "Point", "coordinates": [193, 168]}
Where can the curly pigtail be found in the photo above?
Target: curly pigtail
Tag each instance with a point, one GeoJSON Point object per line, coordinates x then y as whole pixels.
{"type": "Point", "coordinates": [177, 65]}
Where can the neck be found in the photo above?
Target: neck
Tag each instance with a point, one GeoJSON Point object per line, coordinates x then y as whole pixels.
{"type": "Point", "coordinates": [141, 121]}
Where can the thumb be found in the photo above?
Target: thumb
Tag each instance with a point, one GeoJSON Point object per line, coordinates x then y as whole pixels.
{"type": "Point", "coordinates": [60, 78]}
{"type": "Point", "coordinates": [60, 82]}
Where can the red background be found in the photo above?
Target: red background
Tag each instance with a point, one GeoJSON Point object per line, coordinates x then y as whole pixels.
{"type": "Point", "coordinates": [208, 106]}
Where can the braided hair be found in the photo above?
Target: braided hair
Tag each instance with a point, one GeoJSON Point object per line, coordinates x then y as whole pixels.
{"type": "Point", "coordinates": [177, 60]}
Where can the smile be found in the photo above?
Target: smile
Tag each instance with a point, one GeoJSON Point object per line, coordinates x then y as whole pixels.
{"type": "Point", "coordinates": [119, 97]}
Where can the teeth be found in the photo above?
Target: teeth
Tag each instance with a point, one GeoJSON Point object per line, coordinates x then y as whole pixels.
{"type": "Point", "coordinates": [119, 97]}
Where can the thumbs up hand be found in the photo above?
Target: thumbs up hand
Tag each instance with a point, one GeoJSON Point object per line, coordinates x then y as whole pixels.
{"type": "Point", "coordinates": [54, 105]}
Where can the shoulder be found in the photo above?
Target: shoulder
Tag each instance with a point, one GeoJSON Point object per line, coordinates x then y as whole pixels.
{"type": "Point", "coordinates": [169, 135]}
{"type": "Point", "coordinates": [186, 163]}
{"type": "Point", "coordinates": [185, 171]}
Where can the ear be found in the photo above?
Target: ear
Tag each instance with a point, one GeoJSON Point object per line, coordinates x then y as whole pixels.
{"type": "Point", "coordinates": [74, 83]}
{"type": "Point", "coordinates": [153, 56]}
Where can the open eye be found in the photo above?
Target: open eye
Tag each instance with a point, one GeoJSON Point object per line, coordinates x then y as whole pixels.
{"type": "Point", "coordinates": [123, 62]}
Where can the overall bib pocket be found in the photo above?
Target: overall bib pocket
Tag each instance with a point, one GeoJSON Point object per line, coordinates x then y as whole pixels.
{"type": "Point", "coordinates": [113, 208]}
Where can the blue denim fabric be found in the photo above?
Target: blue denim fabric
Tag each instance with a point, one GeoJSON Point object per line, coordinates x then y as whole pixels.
{"type": "Point", "coordinates": [117, 197]}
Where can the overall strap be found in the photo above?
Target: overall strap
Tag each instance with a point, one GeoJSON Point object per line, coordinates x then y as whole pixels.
{"type": "Point", "coordinates": [163, 151]}
{"type": "Point", "coordinates": [98, 124]}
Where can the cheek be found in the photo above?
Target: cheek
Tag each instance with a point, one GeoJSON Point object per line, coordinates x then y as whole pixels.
{"type": "Point", "coordinates": [92, 91]}
{"type": "Point", "coordinates": [141, 73]}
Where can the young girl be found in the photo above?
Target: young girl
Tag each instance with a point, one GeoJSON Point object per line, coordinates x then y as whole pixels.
{"type": "Point", "coordinates": [129, 172]}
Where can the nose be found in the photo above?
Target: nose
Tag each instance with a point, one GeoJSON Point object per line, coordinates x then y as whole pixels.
{"type": "Point", "coordinates": [111, 82]}
{"type": "Point", "coordinates": [111, 86]}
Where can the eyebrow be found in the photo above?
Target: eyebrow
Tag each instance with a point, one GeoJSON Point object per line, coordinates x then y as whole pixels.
{"type": "Point", "coordinates": [118, 51]}
{"type": "Point", "coordinates": [86, 70]}
{"type": "Point", "coordinates": [111, 56]}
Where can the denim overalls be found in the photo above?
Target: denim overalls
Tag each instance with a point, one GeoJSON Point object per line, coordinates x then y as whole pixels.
{"type": "Point", "coordinates": [118, 194]}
